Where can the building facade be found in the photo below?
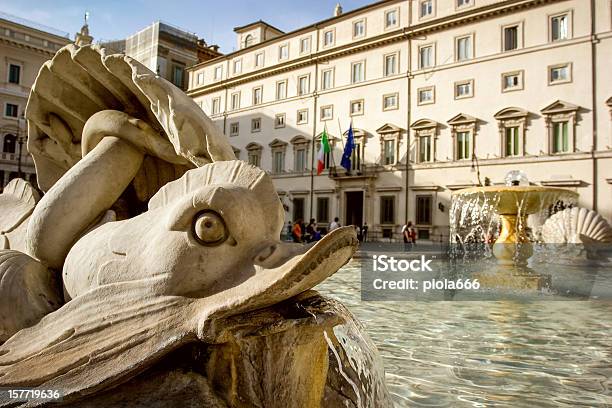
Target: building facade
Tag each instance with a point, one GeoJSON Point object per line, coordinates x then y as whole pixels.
{"type": "Point", "coordinates": [166, 50]}
{"type": "Point", "coordinates": [24, 47]}
{"type": "Point", "coordinates": [441, 94]}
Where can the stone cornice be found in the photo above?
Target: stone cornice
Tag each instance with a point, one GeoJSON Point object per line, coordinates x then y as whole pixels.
{"type": "Point", "coordinates": [19, 44]}
{"type": "Point", "coordinates": [438, 24]}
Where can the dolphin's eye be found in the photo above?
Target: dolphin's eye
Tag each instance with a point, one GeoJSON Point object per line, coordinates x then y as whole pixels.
{"type": "Point", "coordinates": [209, 228]}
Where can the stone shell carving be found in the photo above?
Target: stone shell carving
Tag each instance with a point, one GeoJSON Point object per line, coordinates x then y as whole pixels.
{"type": "Point", "coordinates": [576, 225]}
{"type": "Point", "coordinates": [82, 81]}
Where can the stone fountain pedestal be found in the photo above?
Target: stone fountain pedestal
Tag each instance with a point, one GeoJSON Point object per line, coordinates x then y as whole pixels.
{"type": "Point", "coordinates": [283, 356]}
{"type": "Point", "coordinates": [513, 248]}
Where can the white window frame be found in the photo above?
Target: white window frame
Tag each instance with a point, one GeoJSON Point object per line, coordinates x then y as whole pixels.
{"type": "Point", "coordinates": [331, 110]}
{"type": "Point", "coordinates": [281, 47]}
{"type": "Point", "coordinates": [332, 72]}
{"type": "Point", "coordinates": [256, 125]}
{"type": "Point", "coordinates": [471, 53]}
{"type": "Point", "coordinates": [215, 102]}
{"type": "Point", "coordinates": [279, 97]}
{"type": "Point", "coordinates": [297, 117]}
{"type": "Point", "coordinates": [239, 62]}
{"type": "Point", "coordinates": [300, 91]}
{"type": "Point", "coordinates": [521, 85]}
{"type": "Point", "coordinates": [429, 15]}
{"type": "Point", "coordinates": [464, 82]}
{"type": "Point", "coordinates": [263, 59]}
{"type": "Point", "coordinates": [218, 73]}
{"type": "Point", "coordinates": [519, 36]}
{"type": "Point", "coordinates": [353, 64]}
{"type": "Point", "coordinates": [253, 101]}
{"type": "Point", "coordinates": [433, 95]}
{"type": "Point", "coordinates": [568, 80]}
{"type": "Point", "coordinates": [397, 18]}
{"type": "Point", "coordinates": [308, 39]}
{"type": "Point", "coordinates": [280, 120]}
{"type": "Point", "coordinates": [433, 55]}
{"type": "Point", "coordinates": [570, 31]}
{"type": "Point", "coordinates": [200, 78]}
{"type": "Point", "coordinates": [333, 38]}
{"type": "Point", "coordinates": [234, 129]}
{"type": "Point", "coordinates": [392, 107]}
{"type": "Point", "coordinates": [396, 69]}
{"type": "Point", "coordinates": [354, 26]}
{"type": "Point", "coordinates": [359, 112]}
{"type": "Point", "coordinates": [466, 4]}
{"type": "Point", "coordinates": [235, 96]}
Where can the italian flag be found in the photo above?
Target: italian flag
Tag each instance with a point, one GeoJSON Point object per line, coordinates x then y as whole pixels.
{"type": "Point", "coordinates": [324, 149]}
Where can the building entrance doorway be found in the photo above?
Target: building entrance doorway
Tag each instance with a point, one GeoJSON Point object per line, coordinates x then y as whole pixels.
{"type": "Point", "coordinates": [354, 208]}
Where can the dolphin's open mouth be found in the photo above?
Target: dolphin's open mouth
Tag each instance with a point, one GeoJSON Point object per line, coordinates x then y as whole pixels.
{"type": "Point", "coordinates": [298, 274]}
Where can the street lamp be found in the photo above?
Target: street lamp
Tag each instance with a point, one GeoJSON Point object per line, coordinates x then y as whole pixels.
{"type": "Point", "coordinates": [20, 139]}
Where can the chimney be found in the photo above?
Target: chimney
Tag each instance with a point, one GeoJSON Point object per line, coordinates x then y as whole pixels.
{"type": "Point", "coordinates": [337, 10]}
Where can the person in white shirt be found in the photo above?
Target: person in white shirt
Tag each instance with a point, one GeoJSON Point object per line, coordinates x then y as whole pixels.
{"type": "Point", "coordinates": [334, 225]}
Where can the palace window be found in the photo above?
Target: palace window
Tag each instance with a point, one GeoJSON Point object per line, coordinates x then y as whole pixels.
{"type": "Point", "coordinates": [426, 95]}
{"type": "Point", "coordinates": [327, 112]}
{"type": "Point", "coordinates": [511, 38]}
{"type": "Point", "coordinates": [387, 210]}
{"type": "Point", "coordinates": [426, 8]}
{"type": "Point", "coordinates": [390, 136]}
{"type": "Point", "coordinates": [327, 79]}
{"type": "Point", "coordinates": [278, 155]}
{"type": "Point", "coordinates": [391, 18]}
{"type": "Point", "coordinates": [218, 73]}
{"type": "Point", "coordinates": [423, 209]}
{"type": "Point", "coordinates": [390, 64]}
{"type": "Point", "coordinates": [425, 132]}
{"type": "Point", "coordinates": [234, 128]}
{"type": "Point", "coordinates": [463, 128]}
{"type": "Point", "coordinates": [328, 38]}
{"type": "Point", "coordinates": [255, 125]}
{"type": "Point", "coordinates": [464, 89]}
{"type": "Point", "coordinates": [257, 95]}
{"type": "Point", "coordinates": [512, 81]}
{"type": "Point", "coordinates": [560, 74]}
{"type": "Point", "coordinates": [298, 209]}
{"type": "Point", "coordinates": [426, 56]}
{"type": "Point", "coordinates": [10, 141]}
{"type": "Point", "coordinates": [200, 78]}
{"type": "Point", "coordinates": [463, 48]}
{"type": "Point", "coordinates": [356, 107]}
{"type": "Point", "coordinates": [359, 28]}
{"type": "Point", "coordinates": [304, 85]}
{"type": "Point", "coordinates": [283, 52]}
{"type": "Point", "coordinates": [389, 152]}
{"type": "Point", "coordinates": [302, 116]}
{"type": "Point", "coordinates": [390, 101]}
{"type": "Point", "coordinates": [279, 120]}
{"type": "Point", "coordinates": [248, 41]}
{"type": "Point", "coordinates": [305, 45]}
{"type": "Point", "coordinates": [512, 127]}
{"type": "Point", "coordinates": [235, 100]}
{"type": "Point", "coordinates": [357, 72]}
{"type": "Point", "coordinates": [254, 153]}
{"type": "Point", "coordinates": [259, 60]}
{"type": "Point", "coordinates": [463, 3]}
{"type": "Point", "coordinates": [560, 135]}
{"type": "Point", "coordinates": [300, 153]}
{"type": "Point", "coordinates": [14, 74]}
{"type": "Point", "coordinates": [11, 110]}
{"type": "Point", "coordinates": [322, 209]}
{"type": "Point", "coordinates": [559, 27]}
{"type": "Point", "coordinates": [216, 106]}
{"type": "Point", "coordinates": [281, 90]}
{"type": "Point", "coordinates": [237, 66]}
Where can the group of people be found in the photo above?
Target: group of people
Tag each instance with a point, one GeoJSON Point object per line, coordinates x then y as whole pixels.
{"type": "Point", "coordinates": [409, 233]}
{"type": "Point", "coordinates": [301, 232]}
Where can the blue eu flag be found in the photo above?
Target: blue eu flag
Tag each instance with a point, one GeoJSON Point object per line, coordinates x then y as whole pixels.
{"type": "Point", "coordinates": [348, 150]}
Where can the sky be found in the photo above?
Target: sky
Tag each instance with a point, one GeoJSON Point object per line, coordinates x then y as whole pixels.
{"type": "Point", "coordinates": [212, 20]}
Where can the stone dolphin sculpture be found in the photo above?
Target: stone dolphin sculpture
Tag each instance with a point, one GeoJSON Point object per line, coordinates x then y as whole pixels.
{"type": "Point", "coordinates": [153, 230]}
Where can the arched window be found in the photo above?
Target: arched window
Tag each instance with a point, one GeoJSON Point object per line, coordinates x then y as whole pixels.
{"type": "Point", "coordinates": [248, 41]}
{"type": "Point", "coordinates": [9, 143]}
